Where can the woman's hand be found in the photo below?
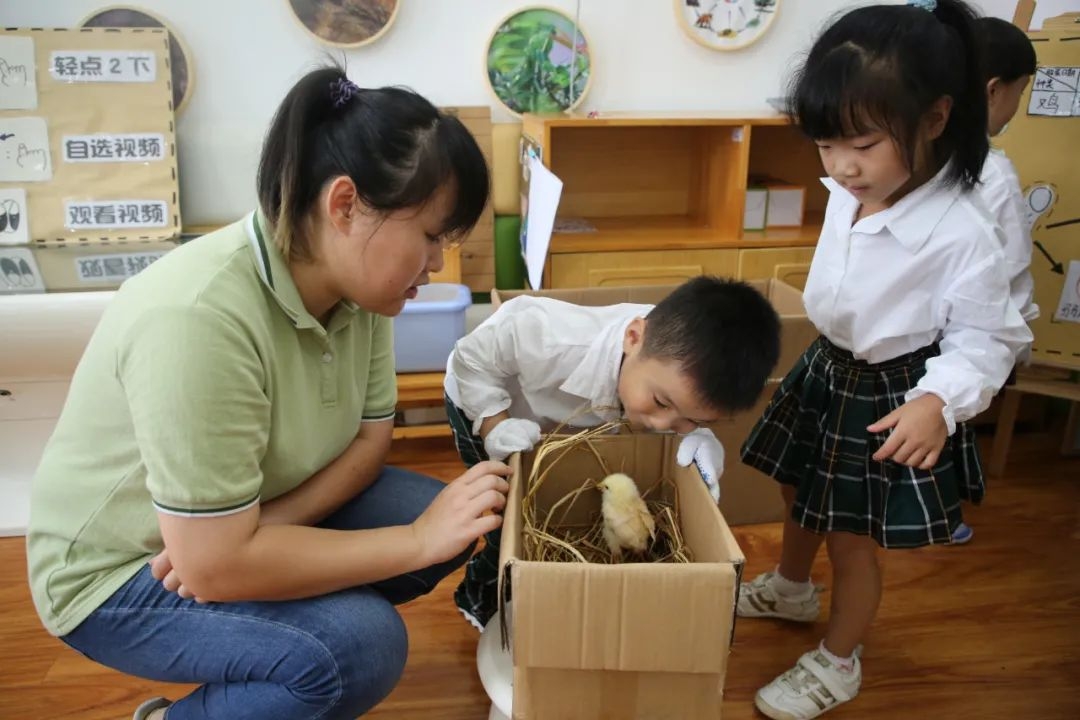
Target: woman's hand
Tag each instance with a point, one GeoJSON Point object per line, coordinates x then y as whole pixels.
{"type": "Point", "coordinates": [919, 433]}
{"type": "Point", "coordinates": [462, 512]}
{"type": "Point", "coordinates": [162, 570]}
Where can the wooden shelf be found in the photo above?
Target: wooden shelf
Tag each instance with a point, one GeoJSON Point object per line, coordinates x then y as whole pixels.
{"type": "Point", "coordinates": [677, 232]}
{"type": "Point", "coordinates": [646, 232]}
{"type": "Point", "coordinates": [667, 119]}
{"type": "Point", "coordinates": [666, 194]}
{"type": "Point", "coordinates": [804, 236]}
{"type": "Point", "coordinates": [413, 432]}
{"type": "Point", "coordinates": [419, 389]}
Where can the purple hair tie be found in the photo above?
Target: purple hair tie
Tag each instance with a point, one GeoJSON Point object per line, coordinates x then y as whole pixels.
{"type": "Point", "coordinates": [342, 91]}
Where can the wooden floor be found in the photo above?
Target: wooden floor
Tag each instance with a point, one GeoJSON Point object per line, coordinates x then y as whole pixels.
{"type": "Point", "coordinates": [989, 631]}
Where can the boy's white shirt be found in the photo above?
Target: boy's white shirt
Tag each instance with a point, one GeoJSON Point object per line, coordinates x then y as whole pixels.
{"type": "Point", "coordinates": [999, 190]}
{"type": "Point", "coordinates": [544, 360]}
{"type": "Point", "coordinates": [929, 268]}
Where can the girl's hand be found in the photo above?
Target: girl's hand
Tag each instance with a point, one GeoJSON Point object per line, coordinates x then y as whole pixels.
{"type": "Point", "coordinates": [919, 433]}
{"type": "Point", "coordinates": [460, 513]}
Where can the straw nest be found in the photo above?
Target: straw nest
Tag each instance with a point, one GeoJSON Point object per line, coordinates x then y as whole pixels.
{"type": "Point", "coordinates": [548, 538]}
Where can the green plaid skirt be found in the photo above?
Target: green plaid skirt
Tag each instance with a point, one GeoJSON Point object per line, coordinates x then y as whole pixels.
{"type": "Point", "coordinates": [477, 595]}
{"type": "Point", "coordinates": [813, 436]}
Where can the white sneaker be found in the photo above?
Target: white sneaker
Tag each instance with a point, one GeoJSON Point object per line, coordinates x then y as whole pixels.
{"type": "Point", "coordinates": [810, 688]}
{"type": "Point", "coordinates": [143, 711]}
{"type": "Point", "coordinates": [758, 599]}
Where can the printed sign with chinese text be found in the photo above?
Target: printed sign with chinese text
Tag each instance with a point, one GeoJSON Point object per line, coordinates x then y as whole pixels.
{"type": "Point", "coordinates": [94, 214]}
{"type": "Point", "coordinates": [103, 66]}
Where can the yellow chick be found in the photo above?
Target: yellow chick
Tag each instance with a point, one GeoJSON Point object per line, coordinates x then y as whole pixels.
{"type": "Point", "coordinates": [627, 521]}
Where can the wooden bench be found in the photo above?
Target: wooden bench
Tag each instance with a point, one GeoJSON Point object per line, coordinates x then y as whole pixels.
{"type": "Point", "coordinates": [1037, 381]}
{"type": "Point", "coordinates": [420, 390]}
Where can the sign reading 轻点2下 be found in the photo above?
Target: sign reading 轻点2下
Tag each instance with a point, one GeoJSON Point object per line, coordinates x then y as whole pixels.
{"type": "Point", "coordinates": [103, 66]}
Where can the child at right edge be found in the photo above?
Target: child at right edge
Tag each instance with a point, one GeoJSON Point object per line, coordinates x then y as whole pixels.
{"type": "Point", "coordinates": [910, 292]}
{"type": "Point", "coordinates": [1008, 64]}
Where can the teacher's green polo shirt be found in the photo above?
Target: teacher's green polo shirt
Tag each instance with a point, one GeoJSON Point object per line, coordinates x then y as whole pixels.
{"type": "Point", "coordinates": [205, 389]}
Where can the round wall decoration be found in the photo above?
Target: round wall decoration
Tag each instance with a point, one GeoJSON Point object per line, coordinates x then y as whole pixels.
{"type": "Point", "coordinates": [126, 16]}
{"type": "Point", "coordinates": [726, 24]}
{"type": "Point", "coordinates": [538, 62]}
{"type": "Point", "coordinates": [345, 23]}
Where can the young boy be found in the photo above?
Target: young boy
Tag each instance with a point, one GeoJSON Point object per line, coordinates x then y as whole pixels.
{"type": "Point", "coordinates": [705, 350]}
{"type": "Point", "coordinates": [1008, 64]}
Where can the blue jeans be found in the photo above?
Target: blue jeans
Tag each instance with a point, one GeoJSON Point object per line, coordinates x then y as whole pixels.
{"type": "Point", "coordinates": [327, 657]}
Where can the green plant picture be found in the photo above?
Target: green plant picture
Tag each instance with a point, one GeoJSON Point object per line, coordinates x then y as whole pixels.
{"type": "Point", "coordinates": [538, 62]}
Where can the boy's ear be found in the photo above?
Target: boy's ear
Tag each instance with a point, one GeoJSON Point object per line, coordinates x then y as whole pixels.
{"type": "Point", "coordinates": [634, 337]}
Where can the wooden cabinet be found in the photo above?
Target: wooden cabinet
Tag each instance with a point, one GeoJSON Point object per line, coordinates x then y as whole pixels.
{"type": "Point", "coordinates": [788, 264]}
{"type": "Point", "coordinates": [649, 267]}
{"type": "Point", "coordinates": [665, 195]}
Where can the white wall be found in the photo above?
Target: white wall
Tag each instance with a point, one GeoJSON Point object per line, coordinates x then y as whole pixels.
{"type": "Point", "coordinates": [246, 54]}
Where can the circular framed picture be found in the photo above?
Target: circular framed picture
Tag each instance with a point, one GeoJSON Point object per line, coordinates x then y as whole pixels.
{"type": "Point", "coordinates": [345, 23]}
{"type": "Point", "coordinates": [726, 24]}
{"type": "Point", "coordinates": [125, 16]}
{"type": "Point", "coordinates": [537, 61]}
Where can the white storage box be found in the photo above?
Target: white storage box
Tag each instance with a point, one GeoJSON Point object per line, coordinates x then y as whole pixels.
{"type": "Point", "coordinates": [785, 208]}
{"type": "Point", "coordinates": [757, 199]}
{"type": "Point", "coordinates": [428, 327]}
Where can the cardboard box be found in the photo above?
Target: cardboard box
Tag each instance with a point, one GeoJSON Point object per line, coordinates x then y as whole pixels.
{"type": "Point", "coordinates": [747, 497]}
{"type": "Point", "coordinates": [632, 640]}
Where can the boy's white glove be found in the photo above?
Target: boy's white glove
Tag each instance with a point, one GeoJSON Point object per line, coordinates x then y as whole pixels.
{"type": "Point", "coordinates": [702, 447]}
{"type": "Point", "coordinates": [510, 436]}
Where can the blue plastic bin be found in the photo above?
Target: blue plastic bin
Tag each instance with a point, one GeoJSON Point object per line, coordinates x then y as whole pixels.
{"type": "Point", "coordinates": [428, 327]}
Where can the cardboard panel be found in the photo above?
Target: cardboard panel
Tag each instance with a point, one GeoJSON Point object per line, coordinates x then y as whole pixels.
{"type": "Point", "coordinates": [1038, 145]}
{"type": "Point", "coordinates": [611, 695]}
{"type": "Point", "coordinates": [747, 496]}
{"type": "Point", "coordinates": [80, 109]}
{"type": "Point", "coordinates": [96, 266]}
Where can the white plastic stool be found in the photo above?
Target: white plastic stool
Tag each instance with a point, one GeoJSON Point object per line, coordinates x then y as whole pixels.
{"type": "Point", "coordinates": [496, 669]}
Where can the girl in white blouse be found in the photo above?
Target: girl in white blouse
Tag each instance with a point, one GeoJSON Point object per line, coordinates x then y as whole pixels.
{"type": "Point", "coordinates": [909, 290]}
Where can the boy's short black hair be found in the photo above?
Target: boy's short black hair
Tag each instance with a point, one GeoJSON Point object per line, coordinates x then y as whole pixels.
{"type": "Point", "coordinates": [724, 333]}
{"type": "Point", "coordinates": [1006, 50]}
